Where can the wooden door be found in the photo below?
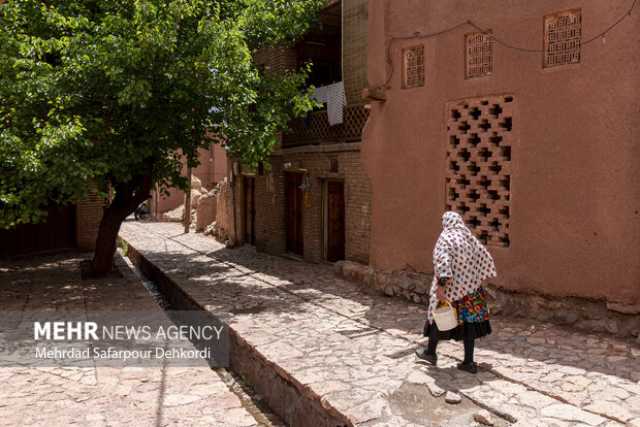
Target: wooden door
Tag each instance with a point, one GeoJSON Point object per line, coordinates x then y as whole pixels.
{"type": "Point", "coordinates": [335, 221]}
{"type": "Point", "coordinates": [249, 211]}
{"type": "Point", "coordinates": [57, 232]}
{"type": "Point", "coordinates": [294, 206]}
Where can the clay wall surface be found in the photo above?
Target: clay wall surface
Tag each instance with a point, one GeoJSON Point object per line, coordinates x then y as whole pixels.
{"type": "Point", "coordinates": [573, 196]}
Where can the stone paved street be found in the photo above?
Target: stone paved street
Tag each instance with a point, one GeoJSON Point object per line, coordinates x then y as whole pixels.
{"type": "Point", "coordinates": [99, 395]}
{"type": "Point", "coordinates": [353, 351]}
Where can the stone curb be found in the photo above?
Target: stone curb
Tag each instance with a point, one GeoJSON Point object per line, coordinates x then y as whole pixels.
{"type": "Point", "coordinates": [293, 402]}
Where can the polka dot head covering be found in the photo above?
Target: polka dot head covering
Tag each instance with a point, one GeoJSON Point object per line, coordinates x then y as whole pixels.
{"type": "Point", "coordinates": [459, 255]}
{"type": "Point", "coordinates": [452, 220]}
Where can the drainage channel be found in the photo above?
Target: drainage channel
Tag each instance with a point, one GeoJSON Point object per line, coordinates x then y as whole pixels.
{"type": "Point", "coordinates": [251, 401]}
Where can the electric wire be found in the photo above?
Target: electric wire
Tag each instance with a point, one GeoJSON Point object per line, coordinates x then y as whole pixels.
{"type": "Point", "coordinates": [470, 23]}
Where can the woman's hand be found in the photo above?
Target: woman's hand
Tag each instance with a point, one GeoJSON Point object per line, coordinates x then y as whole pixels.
{"type": "Point", "coordinates": [443, 282]}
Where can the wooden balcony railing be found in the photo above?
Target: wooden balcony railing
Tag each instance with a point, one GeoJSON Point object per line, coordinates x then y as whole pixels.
{"type": "Point", "coordinates": [315, 129]}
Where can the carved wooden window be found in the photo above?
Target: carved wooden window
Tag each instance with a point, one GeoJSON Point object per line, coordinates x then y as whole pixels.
{"type": "Point", "coordinates": [478, 55]}
{"type": "Point", "coordinates": [478, 178]}
{"type": "Point", "coordinates": [413, 67]}
{"type": "Point", "coordinates": [562, 38]}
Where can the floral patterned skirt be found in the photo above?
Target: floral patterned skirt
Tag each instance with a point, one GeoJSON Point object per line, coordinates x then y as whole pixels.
{"type": "Point", "coordinates": [473, 318]}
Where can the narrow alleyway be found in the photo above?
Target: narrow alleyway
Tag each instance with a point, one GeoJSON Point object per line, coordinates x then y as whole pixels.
{"type": "Point", "coordinates": [97, 395]}
{"type": "Point", "coordinates": [350, 353]}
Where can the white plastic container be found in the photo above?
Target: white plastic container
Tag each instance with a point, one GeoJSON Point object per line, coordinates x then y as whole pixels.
{"type": "Point", "coordinates": [445, 317]}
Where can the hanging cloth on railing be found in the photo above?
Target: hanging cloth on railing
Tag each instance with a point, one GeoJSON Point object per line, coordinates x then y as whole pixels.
{"type": "Point", "coordinates": [333, 95]}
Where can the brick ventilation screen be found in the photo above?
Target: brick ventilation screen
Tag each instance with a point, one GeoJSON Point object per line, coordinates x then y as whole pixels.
{"type": "Point", "coordinates": [562, 36]}
{"type": "Point", "coordinates": [478, 55]}
{"type": "Point", "coordinates": [315, 129]}
{"type": "Point", "coordinates": [478, 179]}
{"type": "Point", "coordinates": [413, 67]}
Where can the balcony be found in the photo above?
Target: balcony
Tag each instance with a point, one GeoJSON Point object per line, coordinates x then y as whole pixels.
{"type": "Point", "coordinates": [315, 129]}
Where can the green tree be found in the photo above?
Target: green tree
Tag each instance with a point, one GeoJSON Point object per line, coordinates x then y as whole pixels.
{"type": "Point", "coordinates": [108, 93]}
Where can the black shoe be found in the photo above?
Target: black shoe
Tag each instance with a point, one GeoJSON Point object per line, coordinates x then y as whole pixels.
{"type": "Point", "coordinates": [472, 367]}
{"type": "Point", "coordinates": [430, 358]}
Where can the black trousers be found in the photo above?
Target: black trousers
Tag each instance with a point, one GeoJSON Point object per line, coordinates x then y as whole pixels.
{"type": "Point", "coordinates": [469, 344]}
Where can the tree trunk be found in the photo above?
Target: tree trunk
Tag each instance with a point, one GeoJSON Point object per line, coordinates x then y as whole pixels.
{"type": "Point", "coordinates": [187, 202]}
{"type": "Point", "coordinates": [128, 197]}
{"type": "Point", "coordinates": [106, 243]}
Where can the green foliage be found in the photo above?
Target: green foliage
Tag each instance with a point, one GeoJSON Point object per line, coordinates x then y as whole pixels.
{"type": "Point", "coordinates": [107, 92]}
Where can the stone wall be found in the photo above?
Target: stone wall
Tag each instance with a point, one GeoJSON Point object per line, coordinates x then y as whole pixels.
{"type": "Point", "coordinates": [206, 211]}
{"type": "Point", "coordinates": [582, 313]}
{"type": "Point", "coordinates": [408, 284]}
{"type": "Point", "coordinates": [211, 170]}
{"type": "Point", "coordinates": [316, 162]}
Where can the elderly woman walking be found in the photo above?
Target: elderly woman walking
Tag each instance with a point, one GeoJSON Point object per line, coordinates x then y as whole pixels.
{"type": "Point", "coordinates": [460, 264]}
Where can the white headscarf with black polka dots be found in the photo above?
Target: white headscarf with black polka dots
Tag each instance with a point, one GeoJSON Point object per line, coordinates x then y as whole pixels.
{"type": "Point", "coordinates": [461, 256]}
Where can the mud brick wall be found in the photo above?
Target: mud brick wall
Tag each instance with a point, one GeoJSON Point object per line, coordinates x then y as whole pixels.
{"type": "Point", "coordinates": [354, 48]}
{"type": "Point", "coordinates": [88, 216]}
{"type": "Point", "coordinates": [276, 59]}
{"type": "Point", "coordinates": [559, 208]}
{"type": "Point", "coordinates": [225, 222]}
{"type": "Point", "coordinates": [271, 202]}
{"type": "Point", "coordinates": [358, 208]}
{"type": "Point", "coordinates": [478, 179]}
{"type": "Point", "coordinates": [270, 210]}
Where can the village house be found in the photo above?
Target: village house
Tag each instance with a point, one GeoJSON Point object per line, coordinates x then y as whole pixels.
{"type": "Point", "coordinates": [523, 123]}
{"type": "Point", "coordinates": [526, 123]}
{"type": "Point", "coordinates": [312, 198]}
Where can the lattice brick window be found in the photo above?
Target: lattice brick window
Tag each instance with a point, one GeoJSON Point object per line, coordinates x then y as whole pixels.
{"type": "Point", "coordinates": [315, 128]}
{"type": "Point", "coordinates": [478, 55]}
{"type": "Point", "coordinates": [413, 67]}
{"type": "Point", "coordinates": [478, 178]}
{"type": "Point", "coordinates": [562, 37]}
